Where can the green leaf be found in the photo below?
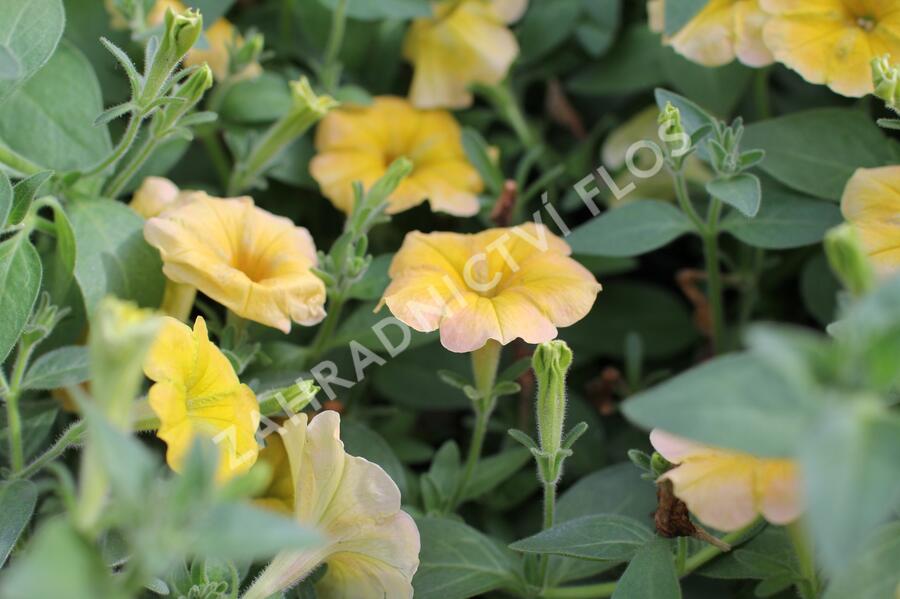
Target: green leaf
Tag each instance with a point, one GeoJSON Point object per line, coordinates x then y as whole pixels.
{"type": "Point", "coordinates": [785, 220]}
{"type": "Point", "coordinates": [651, 574]}
{"type": "Point", "coordinates": [493, 471]}
{"type": "Point", "coordinates": [617, 489]}
{"type": "Point", "coordinates": [678, 14]}
{"type": "Point", "coordinates": [371, 287]}
{"type": "Point", "coordinates": [632, 65]}
{"type": "Point", "coordinates": [440, 482]}
{"type": "Point", "coordinates": [38, 418]}
{"type": "Point", "coordinates": [113, 257]}
{"type": "Point", "coordinates": [260, 100]}
{"type": "Point", "coordinates": [633, 229]}
{"type": "Point", "coordinates": [24, 194]}
{"type": "Point", "coordinates": [769, 554]}
{"type": "Point", "coordinates": [871, 573]}
{"type": "Point", "coordinates": [66, 251]}
{"type": "Point", "coordinates": [718, 89]}
{"type": "Point", "coordinates": [545, 26]}
{"type": "Point", "coordinates": [742, 192]}
{"type": "Point", "coordinates": [820, 289]}
{"type": "Point", "coordinates": [78, 569]}
{"type": "Point", "coordinates": [734, 401]}
{"type": "Point", "coordinates": [409, 379]}
{"type": "Point", "coordinates": [598, 32]}
{"type": "Point", "coordinates": [29, 32]}
{"type": "Point", "coordinates": [661, 318]}
{"type": "Point", "coordinates": [476, 149]}
{"type": "Point", "coordinates": [457, 561]}
{"type": "Point", "coordinates": [59, 368]}
{"type": "Point", "coordinates": [384, 9]}
{"type": "Point", "coordinates": [6, 199]}
{"type": "Point", "coordinates": [362, 441]}
{"type": "Point", "coordinates": [20, 270]}
{"type": "Point", "coordinates": [60, 135]}
{"type": "Point", "coordinates": [850, 461]}
{"type": "Point", "coordinates": [817, 151]}
{"type": "Point", "coordinates": [238, 531]}
{"type": "Point", "coordinates": [604, 537]}
{"type": "Point", "coordinates": [17, 501]}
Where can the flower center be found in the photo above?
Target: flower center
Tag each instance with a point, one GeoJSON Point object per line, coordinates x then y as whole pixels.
{"type": "Point", "coordinates": [866, 23]}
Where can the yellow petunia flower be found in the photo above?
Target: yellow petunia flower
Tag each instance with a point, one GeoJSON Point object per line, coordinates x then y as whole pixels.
{"type": "Point", "coordinates": [373, 546]}
{"type": "Point", "coordinates": [722, 31]}
{"type": "Point", "coordinates": [359, 143]}
{"type": "Point", "coordinates": [833, 41]}
{"type": "Point", "coordinates": [871, 203]}
{"type": "Point", "coordinates": [196, 392]}
{"type": "Point", "coordinates": [728, 490]}
{"type": "Point", "coordinates": [499, 284]}
{"type": "Point", "coordinates": [254, 263]}
{"type": "Point", "coordinates": [219, 36]}
{"type": "Point", "coordinates": [465, 42]}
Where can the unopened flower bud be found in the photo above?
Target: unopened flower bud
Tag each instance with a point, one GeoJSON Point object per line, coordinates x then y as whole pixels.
{"type": "Point", "coordinates": [182, 30]}
{"type": "Point", "coordinates": [551, 362]}
{"type": "Point", "coordinates": [848, 259]}
{"type": "Point", "coordinates": [886, 80]}
{"type": "Point", "coordinates": [672, 132]}
{"type": "Point", "coordinates": [248, 52]}
{"type": "Point", "coordinates": [154, 196]}
{"type": "Point", "coordinates": [121, 335]}
{"type": "Point", "coordinates": [189, 94]}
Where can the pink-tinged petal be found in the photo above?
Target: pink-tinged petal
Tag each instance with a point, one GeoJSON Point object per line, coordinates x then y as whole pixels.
{"type": "Point", "coordinates": [674, 448]}
{"type": "Point", "coordinates": [718, 491]}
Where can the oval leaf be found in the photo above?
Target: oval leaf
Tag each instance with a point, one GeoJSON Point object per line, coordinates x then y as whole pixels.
{"type": "Point", "coordinates": [17, 501]}
{"type": "Point", "coordinates": [651, 574]}
{"type": "Point", "coordinates": [634, 229]}
{"type": "Point", "coordinates": [29, 32]}
{"type": "Point", "coordinates": [59, 368]}
{"type": "Point", "coordinates": [603, 537]}
{"type": "Point", "coordinates": [20, 269]}
{"type": "Point", "coordinates": [742, 192]}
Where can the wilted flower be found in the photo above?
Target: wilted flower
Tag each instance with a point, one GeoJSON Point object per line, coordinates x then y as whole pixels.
{"type": "Point", "coordinates": [499, 284]}
{"type": "Point", "coordinates": [728, 490]}
{"type": "Point", "coordinates": [373, 546]}
{"type": "Point", "coordinates": [359, 143]}
{"type": "Point", "coordinates": [198, 393]}
{"type": "Point", "coordinates": [722, 31]}
{"type": "Point", "coordinates": [254, 263]}
{"type": "Point", "coordinates": [833, 42]}
{"type": "Point", "coordinates": [871, 204]}
{"type": "Point", "coordinates": [465, 42]}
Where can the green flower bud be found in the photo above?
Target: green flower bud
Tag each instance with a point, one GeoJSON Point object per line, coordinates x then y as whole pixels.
{"type": "Point", "coordinates": [248, 52]}
{"type": "Point", "coordinates": [181, 33]}
{"type": "Point", "coordinates": [121, 335]}
{"type": "Point", "coordinates": [849, 260]}
{"type": "Point", "coordinates": [672, 132]}
{"type": "Point", "coordinates": [886, 79]}
{"type": "Point", "coordinates": [190, 93]}
{"type": "Point", "coordinates": [551, 362]}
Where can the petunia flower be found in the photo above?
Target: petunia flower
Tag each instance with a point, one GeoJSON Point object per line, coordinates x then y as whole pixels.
{"type": "Point", "coordinates": [218, 38]}
{"type": "Point", "coordinates": [464, 42]}
{"type": "Point", "coordinates": [499, 284]}
{"type": "Point", "coordinates": [728, 490]}
{"type": "Point", "coordinates": [359, 143]}
{"type": "Point", "coordinates": [373, 546]}
{"type": "Point", "coordinates": [197, 392]}
{"type": "Point", "coordinates": [722, 31]}
{"type": "Point", "coordinates": [871, 203]}
{"type": "Point", "coordinates": [254, 263]}
{"type": "Point", "coordinates": [833, 42]}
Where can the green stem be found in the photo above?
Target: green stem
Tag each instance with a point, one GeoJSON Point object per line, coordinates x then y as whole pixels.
{"type": "Point", "coordinates": [681, 549]}
{"type": "Point", "coordinates": [13, 393]}
{"type": "Point", "coordinates": [217, 156]}
{"type": "Point", "coordinates": [71, 437]}
{"type": "Point", "coordinates": [807, 587]}
{"type": "Point", "coordinates": [696, 561]}
{"type": "Point", "coordinates": [330, 67]}
{"type": "Point", "coordinates": [326, 330]}
{"type": "Point", "coordinates": [714, 275]}
{"type": "Point", "coordinates": [549, 519]}
{"type": "Point", "coordinates": [18, 163]}
{"type": "Point", "coordinates": [131, 132]}
{"type": "Point", "coordinates": [684, 200]}
{"type": "Point", "coordinates": [115, 186]}
{"type": "Point", "coordinates": [485, 362]}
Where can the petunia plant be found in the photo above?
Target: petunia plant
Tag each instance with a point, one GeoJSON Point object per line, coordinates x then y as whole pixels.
{"type": "Point", "coordinates": [446, 299]}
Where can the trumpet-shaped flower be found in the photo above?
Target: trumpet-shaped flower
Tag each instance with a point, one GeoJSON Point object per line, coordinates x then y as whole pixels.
{"type": "Point", "coordinates": [871, 203]}
{"type": "Point", "coordinates": [722, 31]}
{"type": "Point", "coordinates": [373, 546]}
{"type": "Point", "coordinates": [196, 392]}
{"type": "Point", "coordinates": [728, 490]}
{"type": "Point", "coordinates": [254, 263]}
{"type": "Point", "coordinates": [833, 42]}
{"type": "Point", "coordinates": [499, 284]}
{"type": "Point", "coordinates": [464, 42]}
{"type": "Point", "coordinates": [359, 143]}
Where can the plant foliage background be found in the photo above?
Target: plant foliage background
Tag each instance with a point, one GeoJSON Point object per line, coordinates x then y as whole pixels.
{"type": "Point", "coordinates": [798, 359]}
